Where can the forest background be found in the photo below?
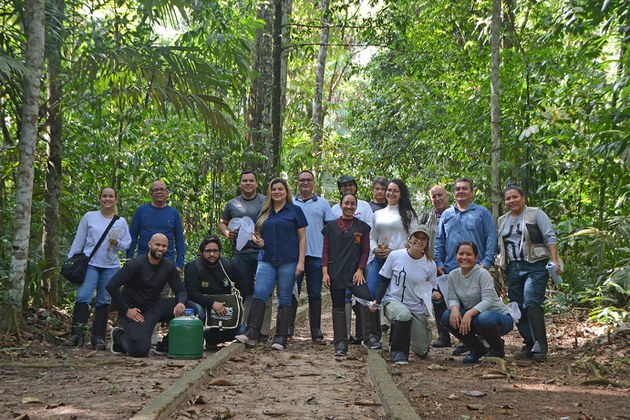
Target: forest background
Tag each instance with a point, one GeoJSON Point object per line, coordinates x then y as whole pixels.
{"type": "Point", "coordinates": [120, 93]}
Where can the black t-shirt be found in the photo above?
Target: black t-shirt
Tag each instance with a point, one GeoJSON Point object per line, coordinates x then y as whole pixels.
{"type": "Point", "coordinates": [202, 280]}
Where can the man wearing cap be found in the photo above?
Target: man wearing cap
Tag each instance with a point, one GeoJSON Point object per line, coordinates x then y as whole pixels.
{"type": "Point", "coordinates": [318, 213]}
{"type": "Point", "coordinates": [248, 204]}
{"type": "Point", "coordinates": [347, 184]}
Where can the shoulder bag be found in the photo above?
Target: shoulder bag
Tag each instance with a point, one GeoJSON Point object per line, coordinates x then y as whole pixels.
{"type": "Point", "coordinates": [233, 303]}
{"type": "Point", "coordinates": [75, 267]}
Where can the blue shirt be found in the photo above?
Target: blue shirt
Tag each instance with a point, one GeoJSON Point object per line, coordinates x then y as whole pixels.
{"type": "Point", "coordinates": [279, 232]}
{"type": "Point", "coordinates": [474, 224]}
{"type": "Point", "coordinates": [318, 213]}
{"type": "Point", "coordinates": [149, 220]}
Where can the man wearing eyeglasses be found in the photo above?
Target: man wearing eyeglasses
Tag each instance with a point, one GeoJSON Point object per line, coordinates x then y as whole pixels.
{"type": "Point", "coordinates": [158, 217]}
{"type": "Point", "coordinates": [211, 274]}
{"type": "Point", "coordinates": [318, 213]}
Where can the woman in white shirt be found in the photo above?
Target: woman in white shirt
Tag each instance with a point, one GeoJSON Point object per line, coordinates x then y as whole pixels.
{"type": "Point", "coordinates": [408, 283]}
{"type": "Point", "coordinates": [102, 267]}
{"type": "Point", "coordinates": [391, 227]}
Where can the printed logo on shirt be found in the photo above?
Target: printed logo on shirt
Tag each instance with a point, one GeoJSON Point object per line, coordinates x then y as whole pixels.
{"type": "Point", "coordinates": [226, 282]}
{"type": "Point", "coordinates": [357, 237]}
{"type": "Point", "coordinates": [204, 284]}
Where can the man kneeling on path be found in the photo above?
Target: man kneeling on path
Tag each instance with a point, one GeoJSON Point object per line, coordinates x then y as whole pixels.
{"type": "Point", "coordinates": [139, 304]}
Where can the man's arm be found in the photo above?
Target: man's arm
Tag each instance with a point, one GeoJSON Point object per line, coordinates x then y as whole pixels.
{"type": "Point", "coordinates": [122, 277]}
{"type": "Point", "coordinates": [440, 246]}
{"type": "Point", "coordinates": [134, 232]}
{"type": "Point", "coordinates": [175, 281]}
{"type": "Point", "coordinates": [491, 240]}
{"type": "Point", "coordinates": [193, 285]}
{"type": "Point", "coordinates": [180, 243]}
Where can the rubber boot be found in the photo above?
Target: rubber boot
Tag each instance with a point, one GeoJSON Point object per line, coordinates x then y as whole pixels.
{"type": "Point", "coordinates": [79, 324]}
{"type": "Point", "coordinates": [99, 327]}
{"type": "Point", "coordinates": [369, 324]}
{"type": "Point", "coordinates": [377, 331]}
{"type": "Point", "coordinates": [340, 331]}
{"type": "Point", "coordinates": [536, 316]}
{"type": "Point", "coordinates": [283, 318]}
{"type": "Point", "coordinates": [444, 338]}
{"type": "Point", "coordinates": [400, 336]}
{"type": "Point", "coordinates": [470, 340]}
{"type": "Point", "coordinates": [358, 327]}
{"type": "Point", "coordinates": [315, 319]}
{"type": "Point", "coordinates": [254, 323]}
{"type": "Point", "coordinates": [294, 308]}
{"type": "Point", "coordinates": [493, 336]}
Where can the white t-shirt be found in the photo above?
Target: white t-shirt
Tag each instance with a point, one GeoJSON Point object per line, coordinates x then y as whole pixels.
{"type": "Point", "coordinates": [412, 280]}
{"type": "Point", "coordinates": [363, 212]}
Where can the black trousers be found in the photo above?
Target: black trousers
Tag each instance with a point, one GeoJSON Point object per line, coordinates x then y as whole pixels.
{"type": "Point", "coordinates": [136, 336]}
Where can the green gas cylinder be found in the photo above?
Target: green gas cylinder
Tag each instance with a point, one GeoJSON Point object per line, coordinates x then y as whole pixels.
{"type": "Point", "coordinates": [185, 336]}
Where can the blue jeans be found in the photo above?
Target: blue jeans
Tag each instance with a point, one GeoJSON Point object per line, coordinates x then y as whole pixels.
{"type": "Point", "coordinates": [527, 283]}
{"type": "Point", "coordinates": [95, 279]}
{"type": "Point", "coordinates": [314, 277]}
{"type": "Point", "coordinates": [484, 319]}
{"type": "Point", "coordinates": [373, 278]}
{"type": "Point", "coordinates": [269, 275]}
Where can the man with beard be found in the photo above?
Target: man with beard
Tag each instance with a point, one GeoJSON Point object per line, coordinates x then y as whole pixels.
{"type": "Point", "coordinates": [139, 304]}
{"type": "Point", "coordinates": [211, 274]}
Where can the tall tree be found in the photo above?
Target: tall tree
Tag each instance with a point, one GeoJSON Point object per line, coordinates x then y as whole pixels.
{"type": "Point", "coordinates": [495, 106]}
{"type": "Point", "coordinates": [317, 120]}
{"type": "Point", "coordinates": [55, 34]}
{"type": "Point", "coordinates": [11, 305]}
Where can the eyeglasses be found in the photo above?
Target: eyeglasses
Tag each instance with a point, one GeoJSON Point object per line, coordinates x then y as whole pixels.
{"type": "Point", "coordinates": [159, 190]}
{"type": "Point", "coordinates": [211, 251]}
{"type": "Point", "coordinates": [306, 180]}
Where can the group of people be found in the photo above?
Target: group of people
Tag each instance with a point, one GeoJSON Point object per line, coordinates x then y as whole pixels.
{"type": "Point", "coordinates": [401, 267]}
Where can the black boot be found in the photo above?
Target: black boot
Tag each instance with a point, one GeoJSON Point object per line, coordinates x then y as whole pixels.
{"type": "Point", "coordinates": [400, 337]}
{"type": "Point", "coordinates": [444, 338]}
{"type": "Point", "coordinates": [340, 331]}
{"type": "Point", "coordinates": [79, 324]}
{"type": "Point", "coordinates": [377, 331]}
{"type": "Point", "coordinates": [493, 336]}
{"type": "Point", "coordinates": [536, 316]}
{"type": "Point", "coordinates": [99, 327]}
{"type": "Point", "coordinates": [254, 322]}
{"type": "Point", "coordinates": [283, 318]}
{"type": "Point", "coordinates": [315, 319]}
{"type": "Point", "coordinates": [294, 308]}
{"type": "Point", "coordinates": [471, 341]}
{"type": "Point", "coordinates": [358, 328]}
{"type": "Point", "coordinates": [369, 326]}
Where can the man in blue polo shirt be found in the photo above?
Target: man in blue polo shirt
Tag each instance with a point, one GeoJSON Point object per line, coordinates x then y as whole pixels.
{"type": "Point", "coordinates": [465, 221]}
{"type": "Point", "coordinates": [318, 213]}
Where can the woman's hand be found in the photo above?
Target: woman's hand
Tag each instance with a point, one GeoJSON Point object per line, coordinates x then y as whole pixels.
{"type": "Point", "coordinates": [464, 325]}
{"type": "Point", "coordinates": [436, 295]}
{"type": "Point", "coordinates": [373, 307]}
{"type": "Point", "coordinates": [258, 240]}
{"type": "Point", "coordinates": [326, 280]}
{"type": "Point", "coordinates": [382, 252]}
{"type": "Point", "coordinates": [558, 268]}
{"type": "Point", "coordinates": [113, 243]}
{"type": "Point", "coordinates": [455, 318]}
{"type": "Point", "coordinates": [358, 277]}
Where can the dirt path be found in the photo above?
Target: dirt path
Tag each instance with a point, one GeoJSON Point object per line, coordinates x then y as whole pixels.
{"type": "Point", "coordinates": [440, 386]}
{"type": "Point", "coordinates": [40, 380]}
{"type": "Point", "coordinates": [304, 381]}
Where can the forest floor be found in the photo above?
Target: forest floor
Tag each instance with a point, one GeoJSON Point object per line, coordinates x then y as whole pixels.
{"type": "Point", "coordinates": [586, 377]}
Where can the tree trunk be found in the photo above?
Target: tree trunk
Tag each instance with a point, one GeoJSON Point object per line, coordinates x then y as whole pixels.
{"type": "Point", "coordinates": [259, 101]}
{"type": "Point", "coordinates": [54, 155]}
{"type": "Point", "coordinates": [12, 303]}
{"type": "Point", "coordinates": [276, 97]}
{"type": "Point", "coordinates": [495, 106]}
{"type": "Point", "coordinates": [317, 120]}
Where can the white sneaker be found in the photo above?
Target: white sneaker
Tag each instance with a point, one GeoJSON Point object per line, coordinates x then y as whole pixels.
{"type": "Point", "coordinates": [243, 338]}
{"type": "Point", "coordinates": [277, 346]}
{"type": "Point", "coordinates": [115, 348]}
